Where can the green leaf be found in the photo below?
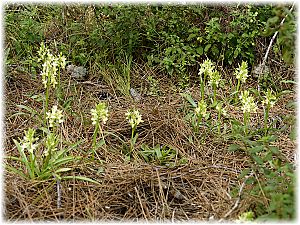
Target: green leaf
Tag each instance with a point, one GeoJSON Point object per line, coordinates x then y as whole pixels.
{"type": "Point", "coordinates": [63, 170]}
{"type": "Point", "coordinates": [288, 82]}
{"type": "Point", "coordinates": [274, 149]}
{"type": "Point", "coordinates": [158, 151]}
{"type": "Point", "coordinates": [24, 159]}
{"type": "Point", "coordinates": [199, 50]}
{"type": "Point", "coordinates": [62, 161]}
{"type": "Point", "coordinates": [215, 50]}
{"type": "Point", "coordinates": [183, 161]}
{"type": "Point", "coordinates": [32, 111]}
{"type": "Point", "coordinates": [234, 147]}
{"type": "Point", "coordinates": [293, 134]}
{"type": "Point", "coordinates": [207, 47]}
{"type": "Point", "coordinates": [100, 143]}
{"type": "Point", "coordinates": [257, 159]}
{"type": "Point", "coordinates": [38, 97]}
{"type": "Point", "coordinates": [16, 171]}
{"type": "Point", "coordinates": [17, 114]}
{"type": "Point", "coordinates": [80, 178]}
{"type": "Point", "coordinates": [268, 139]}
{"type": "Point", "coordinates": [236, 52]}
{"type": "Point", "coordinates": [268, 157]}
{"type": "Point", "coordinates": [100, 170]}
{"type": "Point", "coordinates": [133, 141]}
{"type": "Point", "coordinates": [145, 147]}
{"type": "Point", "coordinates": [244, 173]}
{"type": "Point", "coordinates": [189, 98]}
{"type": "Point", "coordinates": [14, 158]}
{"type": "Point", "coordinates": [256, 149]}
{"type": "Point", "coordinates": [291, 105]}
{"type": "Point", "coordinates": [214, 104]}
{"type": "Point", "coordinates": [45, 130]}
{"type": "Point", "coordinates": [250, 180]}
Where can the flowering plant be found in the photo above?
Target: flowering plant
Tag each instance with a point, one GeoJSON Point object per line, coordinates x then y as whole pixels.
{"type": "Point", "coordinates": [99, 114]}
{"type": "Point", "coordinates": [38, 166]}
{"type": "Point", "coordinates": [248, 106]}
{"type": "Point", "coordinates": [241, 74]}
{"type": "Point", "coordinates": [55, 116]}
{"type": "Point", "coordinates": [200, 110]}
{"type": "Point", "coordinates": [28, 142]}
{"type": "Point", "coordinates": [214, 80]}
{"type": "Point", "coordinates": [270, 99]}
{"type": "Point", "coordinates": [206, 68]}
{"type": "Point", "coordinates": [268, 103]}
{"type": "Point", "coordinates": [50, 70]}
{"type": "Point", "coordinates": [134, 119]}
{"type": "Point", "coordinates": [221, 111]}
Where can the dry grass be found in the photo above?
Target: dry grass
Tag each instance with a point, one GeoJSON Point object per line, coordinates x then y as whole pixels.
{"type": "Point", "coordinates": [129, 191]}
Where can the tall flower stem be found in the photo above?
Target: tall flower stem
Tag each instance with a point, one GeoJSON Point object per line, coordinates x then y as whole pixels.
{"type": "Point", "coordinates": [219, 122]}
{"type": "Point", "coordinates": [99, 117]}
{"type": "Point", "coordinates": [95, 134]}
{"type": "Point", "coordinates": [132, 139]}
{"type": "Point", "coordinates": [215, 92]}
{"type": "Point", "coordinates": [268, 103]}
{"type": "Point", "coordinates": [202, 86]}
{"type": "Point", "coordinates": [266, 116]}
{"type": "Point", "coordinates": [46, 102]}
{"type": "Point", "coordinates": [134, 118]}
{"type": "Point", "coordinates": [246, 120]}
{"type": "Point", "coordinates": [237, 90]}
{"type": "Point", "coordinates": [58, 90]}
{"type": "Point", "coordinates": [198, 123]}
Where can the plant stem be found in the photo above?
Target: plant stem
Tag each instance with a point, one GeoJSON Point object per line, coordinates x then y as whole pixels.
{"type": "Point", "coordinates": [202, 86]}
{"type": "Point", "coordinates": [237, 90]}
{"type": "Point", "coordinates": [266, 116]}
{"type": "Point", "coordinates": [131, 140]}
{"type": "Point", "coordinates": [58, 90]}
{"type": "Point", "coordinates": [246, 116]}
{"type": "Point", "coordinates": [94, 139]}
{"type": "Point", "coordinates": [219, 122]}
{"type": "Point", "coordinates": [215, 93]}
{"type": "Point", "coordinates": [46, 103]}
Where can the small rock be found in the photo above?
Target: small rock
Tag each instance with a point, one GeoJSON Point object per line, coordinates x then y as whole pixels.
{"type": "Point", "coordinates": [261, 69]}
{"type": "Point", "coordinates": [136, 96]}
{"type": "Point", "coordinates": [77, 72]}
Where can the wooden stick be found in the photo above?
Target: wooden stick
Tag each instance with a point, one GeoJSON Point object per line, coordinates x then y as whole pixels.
{"type": "Point", "coordinates": [270, 44]}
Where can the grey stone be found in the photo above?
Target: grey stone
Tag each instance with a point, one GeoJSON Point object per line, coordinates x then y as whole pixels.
{"type": "Point", "coordinates": [77, 72]}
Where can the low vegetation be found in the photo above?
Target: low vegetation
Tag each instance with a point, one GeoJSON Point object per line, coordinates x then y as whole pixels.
{"type": "Point", "coordinates": [150, 112]}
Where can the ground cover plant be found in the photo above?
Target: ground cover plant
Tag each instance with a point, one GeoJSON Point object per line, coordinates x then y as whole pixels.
{"type": "Point", "coordinates": [149, 112]}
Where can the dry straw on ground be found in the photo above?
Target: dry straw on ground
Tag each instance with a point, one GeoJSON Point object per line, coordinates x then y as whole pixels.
{"type": "Point", "coordinates": [198, 190]}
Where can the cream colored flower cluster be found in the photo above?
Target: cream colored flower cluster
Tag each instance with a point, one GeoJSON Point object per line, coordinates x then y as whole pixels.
{"type": "Point", "coordinates": [50, 65]}
{"type": "Point", "coordinates": [201, 109]}
{"type": "Point", "coordinates": [241, 72]}
{"type": "Point", "coordinates": [270, 99]}
{"type": "Point", "coordinates": [100, 113]}
{"type": "Point", "coordinates": [55, 116]}
{"type": "Point", "coordinates": [248, 104]}
{"type": "Point", "coordinates": [134, 117]}
{"type": "Point", "coordinates": [28, 141]}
